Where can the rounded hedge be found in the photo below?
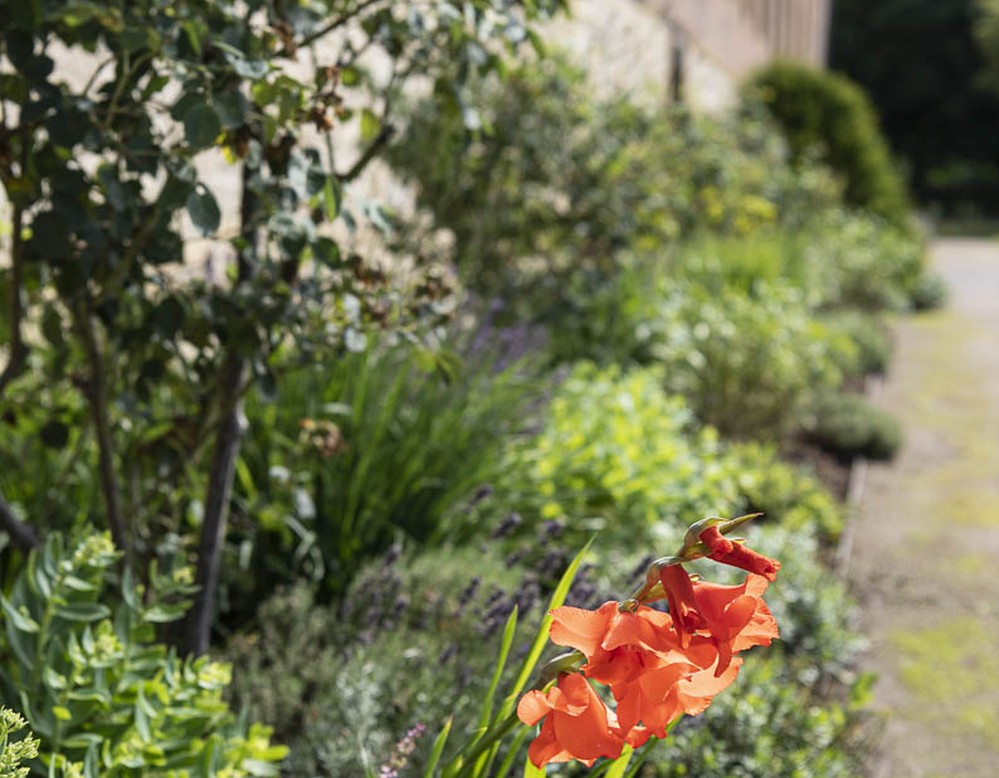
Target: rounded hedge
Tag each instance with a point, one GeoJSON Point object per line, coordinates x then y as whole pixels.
{"type": "Point", "coordinates": [848, 426]}
{"type": "Point", "coordinates": [830, 115]}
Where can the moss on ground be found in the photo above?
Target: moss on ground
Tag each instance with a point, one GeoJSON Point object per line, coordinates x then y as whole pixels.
{"type": "Point", "coordinates": [949, 668]}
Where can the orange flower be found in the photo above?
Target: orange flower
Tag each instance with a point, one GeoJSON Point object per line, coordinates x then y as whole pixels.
{"type": "Point", "coordinates": [729, 552]}
{"type": "Point", "coordinates": [636, 654]}
{"type": "Point", "coordinates": [733, 617]}
{"type": "Point", "coordinates": [577, 724]}
{"type": "Point", "coordinates": [659, 666]}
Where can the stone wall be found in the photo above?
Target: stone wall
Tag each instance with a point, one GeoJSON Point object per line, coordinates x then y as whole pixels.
{"type": "Point", "coordinates": [646, 46]}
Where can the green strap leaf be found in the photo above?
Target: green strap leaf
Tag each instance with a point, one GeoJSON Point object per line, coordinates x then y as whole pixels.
{"type": "Point", "coordinates": [508, 632]}
{"type": "Point", "coordinates": [541, 638]}
{"type": "Point", "coordinates": [438, 749]}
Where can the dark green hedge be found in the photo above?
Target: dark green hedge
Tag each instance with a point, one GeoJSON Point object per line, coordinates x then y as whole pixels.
{"type": "Point", "coordinates": [830, 116]}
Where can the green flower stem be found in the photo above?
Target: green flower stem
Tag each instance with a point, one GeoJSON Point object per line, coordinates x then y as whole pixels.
{"type": "Point", "coordinates": [495, 734]}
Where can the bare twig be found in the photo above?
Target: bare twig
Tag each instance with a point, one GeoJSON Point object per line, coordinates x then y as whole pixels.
{"type": "Point", "coordinates": [334, 24]}
{"type": "Point", "coordinates": [383, 137]}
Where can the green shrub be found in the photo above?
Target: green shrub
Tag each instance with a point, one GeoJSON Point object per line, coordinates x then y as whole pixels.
{"type": "Point", "coordinates": [719, 263]}
{"type": "Point", "coordinates": [558, 182]}
{"type": "Point", "coordinates": [848, 426]}
{"type": "Point", "coordinates": [871, 337]}
{"type": "Point", "coordinates": [860, 261]}
{"type": "Point", "coordinates": [412, 643]}
{"type": "Point", "coordinates": [80, 660]}
{"type": "Point", "coordinates": [784, 493]}
{"type": "Point", "coordinates": [828, 115]}
{"type": "Point", "coordinates": [743, 363]}
{"type": "Point", "coordinates": [350, 457]}
{"type": "Point", "coordinates": [767, 724]}
{"type": "Point", "coordinates": [617, 454]}
{"type": "Point", "coordinates": [929, 292]}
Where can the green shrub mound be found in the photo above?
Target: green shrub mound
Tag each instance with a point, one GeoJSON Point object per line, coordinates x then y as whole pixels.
{"type": "Point", "coordinates": [871, 337]}
{"type": "Point", "coordinates": [930, 292]}
{"type": "Point", "coordinates": [829, 116]}
{"type": "Point", "coordinates": [619, 455]}
{"type": "Point", "coordinates": [848, 426]}
{"type": "Point", "coordinates": [743, 362]}
{"type": "Point", "coordinates": [557, 183]}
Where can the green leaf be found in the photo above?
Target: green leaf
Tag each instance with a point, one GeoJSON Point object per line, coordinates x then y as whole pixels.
{"type": "Point", "coordinates": [371, 125]}
{"type": "Point", "coordinates": [332, 197]}
{"type": "Point", "coordinates": [438, 749]}
{"type": "Point", "coordinates": [54, 434]}
{"type": "Point", "coordinates": [260, 768]}
{"type": "Point", "coordinates": [508, 632]}
{"type": "Point", "coordinates": [83, 611]}
{"type": "Point", "coordinates": [168, 317]}
{"type": "Point", "coordinates": [163, 614]}
{"type": "Point", "coordinates": [21, 621]}
{"type": "Point", "coordinates": [618, 766]}
{"type": "Point", "coordinates": [231, 107]}
{"type": "Point", "coordinates": [78, 584]}
{"type": "Point", "coordinates": [202, 125]}
{"type": "Point", "coordinates": [530, 771]}
{"type": "Point", "coordinates": [511, 754]}
{"type": "Point", "coordinates": [50, 235]}
{"type": "Point", "coordinates": [541, 638]}
{"type": "Point", "coordinates": [204, 210]}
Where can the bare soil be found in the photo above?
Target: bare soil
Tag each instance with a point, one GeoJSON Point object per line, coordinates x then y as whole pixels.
{"type": "Point", "coordinates": [924, 563]}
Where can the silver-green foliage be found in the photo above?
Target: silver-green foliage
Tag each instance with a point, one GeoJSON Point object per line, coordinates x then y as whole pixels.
{"type": "Point", "coordinates": [80, 659]}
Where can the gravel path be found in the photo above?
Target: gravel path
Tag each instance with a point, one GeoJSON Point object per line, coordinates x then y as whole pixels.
{"type": "Point", "coordinates": [925, 557]}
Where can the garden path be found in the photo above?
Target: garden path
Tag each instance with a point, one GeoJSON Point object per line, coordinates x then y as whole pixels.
{"type": "Point", "coordinates": [925, 540]}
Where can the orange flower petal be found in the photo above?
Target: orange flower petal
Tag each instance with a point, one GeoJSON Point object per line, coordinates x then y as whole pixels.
{"type": "Point", "coordinates": [532, 707]}
{"type": "Point", "coordinates": [581, 629]}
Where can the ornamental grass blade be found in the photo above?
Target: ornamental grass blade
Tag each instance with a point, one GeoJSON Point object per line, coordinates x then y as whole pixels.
{"type": "Point", "coordinates": [541, 638]}
{"type": "Point", "coordinates": [438, 749]}
{"type": "Point", "coordinates": [531, 771]}
{"type": "Point", "coordinates": [618, 767]}
{"type": "Point", "coordinates": [508, 632]}
{"type": "Point", "coordinates": [511, 755]}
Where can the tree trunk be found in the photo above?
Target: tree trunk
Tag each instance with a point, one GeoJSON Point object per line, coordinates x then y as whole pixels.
{"type": "Point", "coordinates": [232, 427]}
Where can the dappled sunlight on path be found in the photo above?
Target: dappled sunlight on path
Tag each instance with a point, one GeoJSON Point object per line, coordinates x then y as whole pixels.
{"type": "Point", "coordinates": [925, 561]}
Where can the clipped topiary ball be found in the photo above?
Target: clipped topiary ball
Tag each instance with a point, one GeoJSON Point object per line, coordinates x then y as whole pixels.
{"type": "Point", "coordinates": [830, 116]}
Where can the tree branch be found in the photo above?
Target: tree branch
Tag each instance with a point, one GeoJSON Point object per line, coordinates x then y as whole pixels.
{"type": "Point", "coordinates": [383, 137]}
{"type": "Point", "coordinates": [100, 416]}
{"type": "Point", "coordinates": [21, 534]}
{"type": "Point", "coordinates": [213, 528]}
{"type": "Point", "coordinates": [334, 24]}
{"type": "Point", "coordinates": [228, 439]}
{"type": "Point", "coordinates": [18, 349]}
